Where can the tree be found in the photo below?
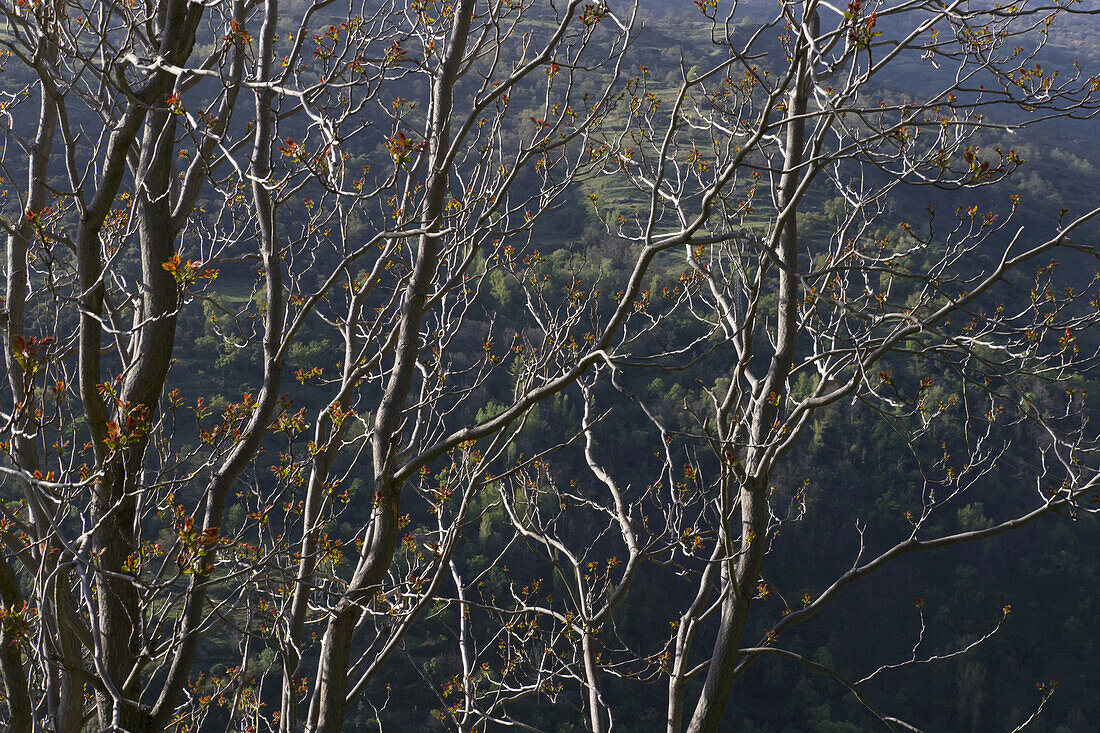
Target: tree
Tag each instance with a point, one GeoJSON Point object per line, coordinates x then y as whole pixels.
{"type": "Point", "coordinates": [394, 173]}
{"type": "Point", "coordinates": [808, 318]}
{"type": "Point", "coordinates": [908, 320]}
{"type": "Point", "coordinates": [143, 160]}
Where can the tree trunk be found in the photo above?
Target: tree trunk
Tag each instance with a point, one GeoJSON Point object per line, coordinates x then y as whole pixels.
{"type": "Point", "coordinates": [743, 576]}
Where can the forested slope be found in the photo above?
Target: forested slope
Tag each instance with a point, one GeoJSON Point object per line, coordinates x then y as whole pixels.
{"type": "Point", "coordinates": [568, 367]}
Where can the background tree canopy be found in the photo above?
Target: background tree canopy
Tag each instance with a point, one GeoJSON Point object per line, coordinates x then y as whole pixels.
{"type": "Point", "coordinates": [558, 366]}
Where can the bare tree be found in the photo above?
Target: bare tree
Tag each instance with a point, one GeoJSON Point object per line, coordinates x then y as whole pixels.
{"type": "Point", "coordinates": [127, 238]}
{"type": "Point", "coordinates": [369, 178]}
{"type": "Point", "coordinates": [808, 319]}
{"type": "Point", "coordinates": [862, 310]}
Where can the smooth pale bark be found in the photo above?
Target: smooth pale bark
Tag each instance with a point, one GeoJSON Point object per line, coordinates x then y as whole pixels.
{"type": "Point", "coordinates": [25, 427]}
{"type": "Point", "coordinates": [21, 716]}
{"type": "Point", "coordinates": [330, 695]}
{"type": "Point", "coordinates": [64, 694]}
{"type": "Point", "coordinates": [329, 437]}
{"type": "Point", "coordinates": [596, 718]}
{"type": "Point", "coordinates": [120, 608]}
{"type": "Point", "coordinates": [118, 617]}
{"type": "Point", "coordinates": [743, 571]}
{"type": "Point", "coordinates": [741, 582]}
{"type": "Point", "coordinates": [189, 628]}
